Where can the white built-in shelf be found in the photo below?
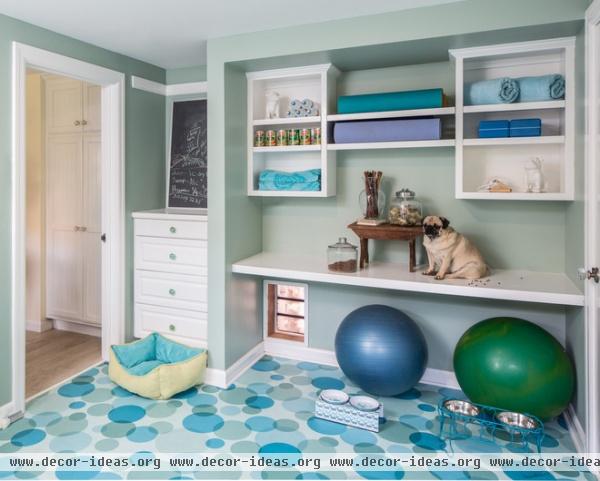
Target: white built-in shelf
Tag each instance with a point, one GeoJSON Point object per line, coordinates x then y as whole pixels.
{"type": "Point", "coordinates": [516, 106]}
{"type": "Point", "coordinates": [392, 114]}
{"type": "Point", "coordinates": [288, 148]}
{"type": "Point", "coordinates": [514, 196]}
{"type": "Point", "coordinates": [510, 285]}
{"type": "Point", "coordinates": [288, 121]}
{"type": "Point", "coordinates": [286, 193]}
{"type": "Point", "coordinates": [412, 144]}
{"type": "Point", "coordinates": [546, 139]}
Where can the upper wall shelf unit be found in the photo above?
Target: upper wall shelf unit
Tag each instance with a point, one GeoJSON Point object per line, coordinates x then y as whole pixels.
{"type": "Point", "coordinates": [480, 160]}
{"type": "Point", "coordinates": [316, 83]}
{"type": "Point", "coordinates": [392, 114]}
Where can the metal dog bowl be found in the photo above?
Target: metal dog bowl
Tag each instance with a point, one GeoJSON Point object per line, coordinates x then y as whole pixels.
{"type": "Point", "coordinates": [517, 420]}
{"type": "Point", "coordinates": [461, 407]}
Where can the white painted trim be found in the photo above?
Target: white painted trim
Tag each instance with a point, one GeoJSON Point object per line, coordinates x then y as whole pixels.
{"type": "Point", "coordinates": [224, 378]}
{"type": "Point", "coordinates": [42, 325]}
{"type": "Point", "coordinates": [592, 191]}
{"type": "Point", "coordinates": [113, 197]}
{"type": "Point", "coordinates": [189, 88]}
{"type": "Point", "coordinates": [216, 377]}
{"type": "Point", "coordinates": [575, 429]}
{"type": "Point", "coordinates": [79, 328]}
{"type": "Point", "coordinates": [148, 85]}
{"type": "Point", "coordinates": [290, 72]}
{"type": "Point", "coordinates": [512, 48]}
{"type": "Point", "coordinates": [6, 412]}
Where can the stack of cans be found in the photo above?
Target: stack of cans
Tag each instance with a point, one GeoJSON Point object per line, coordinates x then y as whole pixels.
{"type": "Point", "coordinates": [282, 137]}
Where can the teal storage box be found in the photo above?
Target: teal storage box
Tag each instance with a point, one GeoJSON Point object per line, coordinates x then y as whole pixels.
{"type": "Point", "coordinates": [409, 100]}
{"type": "Point", "coordinates": [491, 129]}
{"type": "Point", "coordinates": [526, 128]}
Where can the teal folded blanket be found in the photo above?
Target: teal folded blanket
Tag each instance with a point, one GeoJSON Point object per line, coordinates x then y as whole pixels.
{"type": "Point", "coordinates": [539, 89]}
{"type": "Point", "coordinates": [496, 91]}
{"type": "Point", "coordinates": [308, 180]}
{"type": "Point", "coordinates": [414, 99]}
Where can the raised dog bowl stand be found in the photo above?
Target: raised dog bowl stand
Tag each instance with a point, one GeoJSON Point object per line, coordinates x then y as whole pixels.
{"type": "Point", "coordinates": [349, 415]}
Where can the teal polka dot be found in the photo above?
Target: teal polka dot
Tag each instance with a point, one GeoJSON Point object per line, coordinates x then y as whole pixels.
{"type": "Point", "coordinates": [328, 383]}
{"type": "Point", "coordinates": [427, 441]}
{"type": "Point", "coordinates": [323, 426]}
{"type": "Point", "coordinates": [77, 405]}
{"type": "Point", "coordinates": [215, 443]}
{"type": "Point", "coordinates": [308, 366]}
{"type": "Point", "coordinates": [260, 423]}
{"type": "Point", "coordinates": [28, 437]}
{"type": "Point", "coordinates": [199, 423]}
{"type": "Point", "coordinates": [266, 365]}
{"type": "Point", "coordinates": [126, 414]}
{"type": "Point", "coordinates": [259, 402]}
{"type": "Point", "coordinates": [75, 389]}
{"type": "Point", "coordinates": [357, 436]}
{"type": "Point", "coordinates": [277, 377]}
{"type": "Point", "coordinates": [120, 392]}
{"type": "Point", "coordinates": [202, 400]}
{"type": "Point", "coordinates": [142, 434]}
{"type": "Point", "coordinates": [428, 408]}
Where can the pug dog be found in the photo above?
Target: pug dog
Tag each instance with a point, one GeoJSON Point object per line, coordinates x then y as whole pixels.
{"type": "Point", "coordinates": [451, 252]}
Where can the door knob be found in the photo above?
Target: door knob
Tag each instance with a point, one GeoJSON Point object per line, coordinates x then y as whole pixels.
{"type": "Point", "coordinates": [76, 228]}
{"type": "Point", "coordinates": [82, 228]}
{"type": "Point", "coordinates": [84, 122]}
{"type": "Point", "coordinates": [593, 273]}
{"type": "Point", "coordinates": [172, 256]}
{"type": "Point", "coordinates": [76, 123]}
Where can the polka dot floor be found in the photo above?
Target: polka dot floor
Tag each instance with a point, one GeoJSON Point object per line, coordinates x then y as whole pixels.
{"type": "Point", "coordinates": [270, 408]}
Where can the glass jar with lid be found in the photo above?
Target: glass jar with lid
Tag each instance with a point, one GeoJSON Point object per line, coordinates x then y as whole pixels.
{"type": "Point", "coordinates": [405, 210]}
{"type": "Point", "coordinates": [342, 256]}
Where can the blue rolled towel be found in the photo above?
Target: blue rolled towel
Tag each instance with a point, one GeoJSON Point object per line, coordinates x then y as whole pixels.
{"type": "Point", "coordinates": [544, 87]}
{"type": "Point", "coordinates": [307, 104]}
{"type": "Point", "coordinates": [308, 180]}
{"type": "Point", "coordinates": [497, 91]}
{"type": "Point", "coordinates": [295, 103]}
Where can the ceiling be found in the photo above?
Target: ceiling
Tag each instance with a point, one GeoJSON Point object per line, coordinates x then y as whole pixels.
{"type": "Point", "coordinates": [173, 33]}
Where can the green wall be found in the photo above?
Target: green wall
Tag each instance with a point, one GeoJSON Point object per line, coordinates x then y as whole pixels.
{"type": "Point", "coordinates": [185, 75]}
{"type": "Point", "coordinates": [144, 150]}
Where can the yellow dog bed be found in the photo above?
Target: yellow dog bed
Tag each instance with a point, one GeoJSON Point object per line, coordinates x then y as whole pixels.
{"type": "Point", "coordinates": [156, 367]}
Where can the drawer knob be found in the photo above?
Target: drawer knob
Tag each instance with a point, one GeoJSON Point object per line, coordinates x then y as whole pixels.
{"type": "Point", "coordinates": [172, 230]}
{"type": "Point", "coordinates": [171, 327]}
{"type": "Point", "coordinates": [172, 292]}
{"type": "Point", "coordinates": [172, 256]}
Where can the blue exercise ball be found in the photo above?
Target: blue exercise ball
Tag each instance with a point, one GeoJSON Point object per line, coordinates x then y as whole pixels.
{"type": "Point", "coordinates": [381, 349]}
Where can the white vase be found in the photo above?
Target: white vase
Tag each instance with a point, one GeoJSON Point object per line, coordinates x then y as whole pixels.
{"type": "Point", "coordinates": [535, 180]}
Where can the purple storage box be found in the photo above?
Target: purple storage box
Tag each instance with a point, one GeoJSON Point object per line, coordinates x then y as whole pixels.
{"type": "Point", "coordinates": [387, 130]}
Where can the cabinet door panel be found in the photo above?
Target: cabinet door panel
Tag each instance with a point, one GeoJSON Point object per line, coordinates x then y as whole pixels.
{"type": "Point", "coordinates": [92, 269]}
{"type": "Point", "coordinates": [63, 105]}
{"type": "Point", "coordinates": [92, 101]}
{"type": "Point", "coordinates": [92, 183]}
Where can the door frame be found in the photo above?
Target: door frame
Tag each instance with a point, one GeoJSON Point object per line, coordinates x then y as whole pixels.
{"type": "Point", "coordinates": [113, 199]}
{"type": "Point", "coordinates": [592, 191]}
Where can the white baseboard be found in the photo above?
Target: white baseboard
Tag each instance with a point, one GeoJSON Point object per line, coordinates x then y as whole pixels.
{"type": "Point", "coordinates": [440, 378]}
{"type": "Point", "coordinates": [41, 325]}
{"type": "Point", "coordinates": [61, 325]}
{"type": "Point", "coordinates": [224, 378]}
{"type": "Point", "coordinates": [575, 429]}
{"type": "Point", "coordinates": [216, 377]}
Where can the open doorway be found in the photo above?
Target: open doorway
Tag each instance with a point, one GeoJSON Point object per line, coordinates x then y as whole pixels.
{"type": "Point", "coordinates": [63, 238]}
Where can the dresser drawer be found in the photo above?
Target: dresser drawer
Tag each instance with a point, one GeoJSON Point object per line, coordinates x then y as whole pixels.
{"type": "Point", "coordinates": [171, 290]}
{"type": "Point", "coordinates": [179, 256]}
{"type": "Point", "coordinates": [173, 322]}
{"type": "Point", "coordinates": [171, 229]}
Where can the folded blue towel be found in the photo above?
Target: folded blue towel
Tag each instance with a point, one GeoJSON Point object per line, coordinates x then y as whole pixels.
{"type": "Point", "coordinates": [308, 180]}
{"type": "Point", "coordinates": [497, 91]}
{"type": "Point", "coordinates": [539, 89]}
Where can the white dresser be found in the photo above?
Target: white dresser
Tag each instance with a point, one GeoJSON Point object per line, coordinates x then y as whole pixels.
{"type": "Point", "coordinates": [171, 275]}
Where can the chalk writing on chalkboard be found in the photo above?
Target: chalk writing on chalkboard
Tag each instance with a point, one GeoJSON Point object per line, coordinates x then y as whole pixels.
{"type": "Point", "coordinates": [188, 163]}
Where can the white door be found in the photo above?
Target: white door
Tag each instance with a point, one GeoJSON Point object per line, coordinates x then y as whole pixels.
{"type": "Point", "coordinates": [64, 295]}
{"type": "Point", "coordinates": [63, 105]}
{"type": "Point", "coordinates": [91, 229]}
{"type": "Point", "coordinates": [92, 100]}
{"type": "Point", "coordinates": [592, 235]}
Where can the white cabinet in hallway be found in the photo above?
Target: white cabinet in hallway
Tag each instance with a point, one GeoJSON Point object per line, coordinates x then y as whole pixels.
{"type": "Point", "coordinates": [73, 201]}
{"type": "Point", "coordinates": [171, 260]}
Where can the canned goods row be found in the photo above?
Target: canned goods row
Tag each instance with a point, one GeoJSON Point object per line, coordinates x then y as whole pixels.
{"type": "Point", "coordinates": [272, 138]}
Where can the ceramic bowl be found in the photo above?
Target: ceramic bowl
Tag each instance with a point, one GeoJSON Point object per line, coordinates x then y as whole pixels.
{"type": "Point", "coordinates": [517, 420]}
{"type": "Point", "coordinates": [461, 407]}
{"type": "Point", "coordinates": [364, 403]}
{"type": "Point", "coordinates": [334, 396]}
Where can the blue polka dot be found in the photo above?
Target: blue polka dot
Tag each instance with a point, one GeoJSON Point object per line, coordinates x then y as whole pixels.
{"type": "Point", "coordinates": [311, 476]}
{"type": "Point", "coordinates": [266, 365]}
{"type": "Point", "coordinates": [325, 427]}
{"type": "Point", "coordinates": [410, 394]}
{"type": "Point", "coordinates": [215, 443]}
{"type": "Point", "coordinates": [202, 400]}
{"type": "Point", "coordinates": [308, 366]}
{"type": "Point", "coordinates": [357, 436]}
{"type": "Point", "coordinates": [381, 474]}
{"type": "Point", "coordinates": [75, 475]}
{"type": "Point", "coordinates": [427, 441]}
{"type": "Point", "coordinates": [201, 423]}
{"type": "Point", "coordinates": [259, 402]}
{"type": "Point", "coordinates": [521, 475]}
{"type": "Point", "coordinates": [142, 434]}
{"type": "Point", "coordinates": [328, 383]}
{"type": "Point", "coordinates": [230, 410]}
{"type": "Point", "coordinates": [77, 405]}
{"type": "Point", "coordinates": [90, 372]}
{"type": "Point", "coordinates": [260, 423]}
{"type": "Point", "coordinates": [126, 414]}
{"type": "Point", "coordinates": [191, 392]}
{"type": "Point", "coordinates": [428, 408]}
{"type": "Point", "coordinates": [277, 377]}
{"type": "Point", "coordinates": [279, 449]}
{"type": "Point", "coordinates": [120, 392]}
{"type": "Point", "coordinates": [28, 437]}
{"type": "Point", "coordinates": [76, 389]}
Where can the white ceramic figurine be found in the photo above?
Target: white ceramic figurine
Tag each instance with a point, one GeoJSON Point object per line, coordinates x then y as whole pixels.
{"type": "Point", "coordinates": [536, 181]}
{"type": "Point", "coordinates": [272, 110]}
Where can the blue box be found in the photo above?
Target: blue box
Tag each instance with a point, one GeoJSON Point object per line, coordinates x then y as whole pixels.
{"type": "Point", "coordinates": [526, 128]}
{"type": "Point", "coordinates": [490, 129]}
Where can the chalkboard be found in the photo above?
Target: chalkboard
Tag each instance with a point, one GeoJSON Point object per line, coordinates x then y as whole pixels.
{"type": "Point", "coordinates": [188, 162]}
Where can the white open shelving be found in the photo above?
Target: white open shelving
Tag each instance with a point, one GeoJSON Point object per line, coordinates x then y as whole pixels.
{"type": "Point", "coordinates": [510, 285]}
{"type": "Point", "coordinates": [392, 114]}
{"type": "Point", "coordinates": [287, 121]}
{"type": "Point", "coordinates": [479, 160]}
{"type": "Point", "coordinates": [408, 144]}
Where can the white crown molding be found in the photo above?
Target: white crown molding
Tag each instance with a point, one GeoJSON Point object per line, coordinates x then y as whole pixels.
{"type": "Point", "coordinates": [158, 88]}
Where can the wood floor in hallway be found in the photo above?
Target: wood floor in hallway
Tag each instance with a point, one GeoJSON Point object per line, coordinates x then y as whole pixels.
{"type": "Point", "coordinates": [53, 356]}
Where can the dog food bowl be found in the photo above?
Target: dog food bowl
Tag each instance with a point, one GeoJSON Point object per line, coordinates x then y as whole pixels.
{"type": "Point", "coordinates": [334, 396]}
{"type": "Point", "coordinates": [517, 420]}
{"type": "Point", "coordinates": [461, 407]}
{"type": "Point", "coordinates": [364, 403]}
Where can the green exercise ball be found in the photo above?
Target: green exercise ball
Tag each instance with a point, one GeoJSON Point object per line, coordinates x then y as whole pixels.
{"type": "Point", "coordinates": [513, 364]}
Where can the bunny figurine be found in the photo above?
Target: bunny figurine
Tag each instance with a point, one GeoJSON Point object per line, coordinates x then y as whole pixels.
{"type": "Point", "coordinates": [272, 105]}
{"type": "Point", "coordinates": [536, 181]}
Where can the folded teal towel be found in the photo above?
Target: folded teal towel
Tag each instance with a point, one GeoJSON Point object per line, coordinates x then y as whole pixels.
{"type": "Point", "coordinates": [539, 89]}
{"type": "Point", "coordinates": [406, 100]}
{"type": "Point", "coordinates": [497, 91]}
{"type": "Point", "coordinates": [308, 180]}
